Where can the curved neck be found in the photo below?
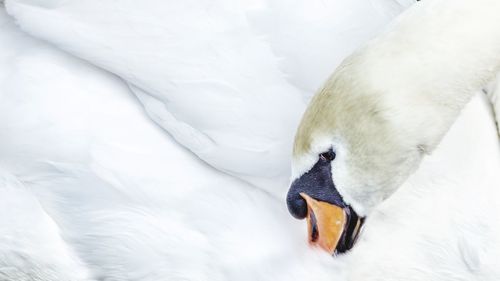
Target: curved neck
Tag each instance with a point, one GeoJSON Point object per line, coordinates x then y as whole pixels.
{"type": "Point", "coordinates": [431, 60]}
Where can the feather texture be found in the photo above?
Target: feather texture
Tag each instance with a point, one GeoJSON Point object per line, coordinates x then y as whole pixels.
{"type": "Point", "coordinates": [213, 78]}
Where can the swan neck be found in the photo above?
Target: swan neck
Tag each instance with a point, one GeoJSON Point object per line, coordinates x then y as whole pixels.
{"type": "Point", "coordinates": [428, 64]}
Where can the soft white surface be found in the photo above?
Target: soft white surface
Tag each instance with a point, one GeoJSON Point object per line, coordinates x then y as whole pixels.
{"type": "Point", "coordinates": [227, 79]}
{"type": "Point", "coordinates": [31, 247]}
{"type": "Point", "coordinates": [121, 200]}
{"type": "Point", "coordinates": [128, 199]}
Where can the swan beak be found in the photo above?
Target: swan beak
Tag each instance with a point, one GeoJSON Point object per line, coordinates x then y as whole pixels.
{"type": "Point", "coordinates": [332, 228]}
{"type": "Point", "coordinates": [325, 223]}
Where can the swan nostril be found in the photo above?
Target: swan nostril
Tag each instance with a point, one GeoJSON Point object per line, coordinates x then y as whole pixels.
{"type": "Point", "coordinates": [297, 206]}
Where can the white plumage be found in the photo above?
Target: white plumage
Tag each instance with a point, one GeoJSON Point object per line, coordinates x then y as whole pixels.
{"type": "Point", "coordinates": [236, 62]}
{"type": "Point", "coordinates": [121, 200]}
{"type": "Point", "coordinates": [128, 199]}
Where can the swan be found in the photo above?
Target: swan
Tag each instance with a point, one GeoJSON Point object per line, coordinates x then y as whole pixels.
{"type": "Point", "coordinates": [129, 203]}
{"type": "Point", "coordinates": [404, 89]}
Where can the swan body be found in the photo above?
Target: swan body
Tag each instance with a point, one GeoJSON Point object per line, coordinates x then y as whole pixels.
{"type": "Point", "coordinates": [231, 45]}
{"type": "Point", "coordinates": [118, 202]}
{"type": "Point", "coordinates": [32, 247]}
{"type": "Point", "coordinates": [122, 200]}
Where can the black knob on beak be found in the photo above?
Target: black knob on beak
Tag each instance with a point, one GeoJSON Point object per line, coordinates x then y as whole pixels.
{"type": "Point", "coordinates": [296, 204]}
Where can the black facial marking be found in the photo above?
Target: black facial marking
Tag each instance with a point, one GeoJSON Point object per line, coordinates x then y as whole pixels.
{"type": "Point", "coordinates": [351, 233]}
{"type": "Point", "coordinates": [314, 225]}
{"type": "Point", "coordinates": [316, 183]}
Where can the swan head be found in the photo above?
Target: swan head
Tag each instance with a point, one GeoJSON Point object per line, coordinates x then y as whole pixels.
{"type": "Point", "coordinates": [350, 153]}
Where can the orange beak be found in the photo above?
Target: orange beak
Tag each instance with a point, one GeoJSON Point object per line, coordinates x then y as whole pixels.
{"type": "Point", "coordinates": [325, 223]}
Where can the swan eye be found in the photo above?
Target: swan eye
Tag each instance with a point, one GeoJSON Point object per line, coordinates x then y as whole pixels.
{"type": "Point", "coordinates": [327, 156]}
